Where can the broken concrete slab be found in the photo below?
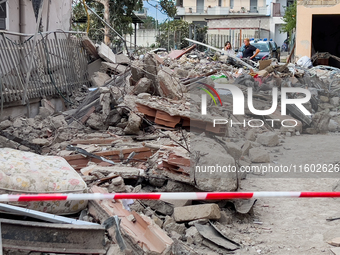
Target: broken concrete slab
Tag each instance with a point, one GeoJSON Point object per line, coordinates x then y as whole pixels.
{"type": "Point", "coordinates": [246, 147]}
{"type": "Point", "coordinates": [133, 125]}
{"type": "Point", "coordinates": [5, 124]}
{"type": "Point", "coordinates": [335, 242]}
{"type": "Point", "coordinates": [335, 251]}
{"type": "Point", "coordinates": [89, 47]}
{"type": "Point", "coordinates": [234, 150]}
{"type": "Point", "coordinates": [113, 68]}
{"type": "Point", "coordinates": [251, 135]}
{"type": "Point", "coordinates": [258, 155]}
{"type": "Point", "coordinates": [106, 53]}
{"type": "Point", "coordinates": [150, 68]}
{"type": "Point", "coordinates": [168, 85]}
{"type": "Point", "coordinates": [193, 236]}
{"type": "Point", "coordinates": [122, 59]}
{"type": "Point", "coordinates": [216, 237]}
{"type": "Point", "coordinates": [99, 79]}
{"type": "Point", "coordinates": [95, 121]}
{"type": "Point", "coordinates": [41, 141]}
{"type": "Point", "coordinates": [159, 206]}
{"type": "Point", "coordinates": [335, 101]}
{"type": "Point", "coordinates": [269, 139]}
{"type": "Point", "coordinates": [59, 122]}
{"type": "Point", "coordinates": [94, 66]}
{"type": "Point", "coordinates": [195, 212]}
{"type": "Point", "coordinates": [142, 86]}
{"type": "Point", "coordinates": [170, 225]}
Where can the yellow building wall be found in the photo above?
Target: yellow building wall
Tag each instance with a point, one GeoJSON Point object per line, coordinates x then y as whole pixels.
{"type": "Point", "coordinates": [304, 26]}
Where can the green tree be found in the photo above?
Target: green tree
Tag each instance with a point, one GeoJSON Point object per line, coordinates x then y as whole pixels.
{"type": "Point", "coordinates": [289, 18]}
{"type": "Point", "coordinates": [117, 13]}
{"type": "Point", "coordinates": [149, 23]}
{"type": "Point", "coordinates": [172, 34]}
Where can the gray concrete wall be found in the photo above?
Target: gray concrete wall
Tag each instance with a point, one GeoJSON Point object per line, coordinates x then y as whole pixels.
{"type": "Point", "coordinates": [240, 23]}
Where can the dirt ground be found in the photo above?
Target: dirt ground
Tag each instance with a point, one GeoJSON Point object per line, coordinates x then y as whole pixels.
{"type": "Point", "coordinates": [292, 225]}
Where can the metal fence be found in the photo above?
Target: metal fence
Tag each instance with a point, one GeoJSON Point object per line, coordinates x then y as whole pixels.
{"type": "Point", "coordinates": [59, 66]}
{"type": "Point", "coordinates": [218, 40]}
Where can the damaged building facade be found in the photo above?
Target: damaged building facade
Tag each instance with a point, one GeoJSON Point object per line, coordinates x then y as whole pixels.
{"type": "Point", "coordinates": [314, 32]}
{"type": "Point", "coordinates": [55, 64]}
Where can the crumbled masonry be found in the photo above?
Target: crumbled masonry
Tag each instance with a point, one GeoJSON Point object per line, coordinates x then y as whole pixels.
{"type": "Point", "coordinates": [145, 116]}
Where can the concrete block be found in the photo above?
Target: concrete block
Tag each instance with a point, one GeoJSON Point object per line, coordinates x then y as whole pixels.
{"type": "Point", "coordinates": [195, 212]}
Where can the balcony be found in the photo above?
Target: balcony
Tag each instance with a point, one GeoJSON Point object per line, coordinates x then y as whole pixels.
{"type": "Point", "coordinates": [217, 10]}
{"type": "Point", "coordinates": [220, 11]}
{"type": "Point", "coordinates": [180, 11]}
{"type": "Point", "coordinates": [142, 13]}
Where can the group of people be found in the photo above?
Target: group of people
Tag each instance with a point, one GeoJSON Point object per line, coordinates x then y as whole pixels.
{"type": "Point", "coordinates": [248, 50]}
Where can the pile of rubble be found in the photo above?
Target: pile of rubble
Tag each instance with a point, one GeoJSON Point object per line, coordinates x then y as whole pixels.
{"type": "Point", "coordinates": [139, 129]}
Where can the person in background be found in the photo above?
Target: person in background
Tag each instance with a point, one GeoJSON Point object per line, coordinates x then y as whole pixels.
{"type": "Point", "coordinates": [249, 50]}
{"type": "Point", "coordinates": [228, 48]}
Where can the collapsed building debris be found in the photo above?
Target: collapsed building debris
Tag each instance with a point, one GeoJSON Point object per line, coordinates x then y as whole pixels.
{"type": "Point", "coordinates": [140, 128]}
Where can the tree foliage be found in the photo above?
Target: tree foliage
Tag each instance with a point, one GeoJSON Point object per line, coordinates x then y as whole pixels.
{"type": "Point", "coordinates": [149, 23]}
{"type": "Point", "coordinates": [289, 18]}
{"type": "Point", "coordinates": [172, 34]}
{"type": "Point", "coordinates": [120, 17]}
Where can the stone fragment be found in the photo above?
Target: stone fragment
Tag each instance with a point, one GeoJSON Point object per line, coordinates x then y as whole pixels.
{"type": "Point", "coordinates": [40, 141]}
{"type": "Point", "coordinates": [142, 86]}
{"type": "Point", "coordinates": [133, 125]}
{"type": "Point", "coordinates": [95, 122]}
{"type": "Point", "coordinates": [269, 139]}
{"type": "Point", "coordinates": [5, 124]}
{"type": "Point", "coordinates": [99, 79]}
{"type": "Point", "coordinates": [258, 155]}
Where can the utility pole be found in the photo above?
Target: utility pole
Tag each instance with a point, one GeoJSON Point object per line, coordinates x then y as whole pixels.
{"type": "Point", "coordinates": [156, 15]}
{"type": "Point", "coordinates": [259, 29]}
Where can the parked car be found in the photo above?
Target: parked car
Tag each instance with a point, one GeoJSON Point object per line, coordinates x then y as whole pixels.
{"type": "Point", "coordinates": [265, 47]}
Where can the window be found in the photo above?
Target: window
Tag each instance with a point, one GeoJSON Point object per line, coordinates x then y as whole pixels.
{"type": "Point", "coordinates": [3, 16]}
{"type": "Point", "coordinates": [219, 3]}
{"type": "Point", "coordinates": [231, 4]}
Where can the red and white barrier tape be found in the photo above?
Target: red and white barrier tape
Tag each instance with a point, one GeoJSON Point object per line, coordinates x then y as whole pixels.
{"type": "Point", "coordinates": [166, 196]}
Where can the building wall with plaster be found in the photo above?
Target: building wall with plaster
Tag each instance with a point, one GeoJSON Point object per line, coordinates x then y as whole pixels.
{"type": "Point", "coordinates": [56, 15]}
{"type": "Point", "coordinates": [304, 23]}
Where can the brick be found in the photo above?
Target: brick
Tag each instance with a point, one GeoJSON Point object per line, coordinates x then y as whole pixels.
{"type": "Point", "coordinates": [195, 212]}
{"type": "Point", "coordinates": [141, 234]}
{"type": "Point", "coordinates": [163, 118]}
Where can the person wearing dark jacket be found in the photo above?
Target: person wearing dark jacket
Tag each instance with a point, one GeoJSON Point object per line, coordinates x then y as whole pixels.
{"type": "Point", "coordinates": [249, 50]}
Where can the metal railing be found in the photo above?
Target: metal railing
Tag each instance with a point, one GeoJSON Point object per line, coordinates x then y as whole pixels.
{"type": "Point", "coordinates": [218, 10]}
{"type": "Point", "coordinates": [59, 66]}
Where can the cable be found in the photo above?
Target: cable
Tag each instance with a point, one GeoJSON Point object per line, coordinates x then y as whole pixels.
{"type": "Point", "coordinates": [88, 17]}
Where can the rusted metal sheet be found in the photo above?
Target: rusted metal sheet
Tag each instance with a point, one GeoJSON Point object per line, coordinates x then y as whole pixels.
{"type": "Point", "coordinates": [59, 65]}
{"type": "Point", "coordinates": [50, 237]}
